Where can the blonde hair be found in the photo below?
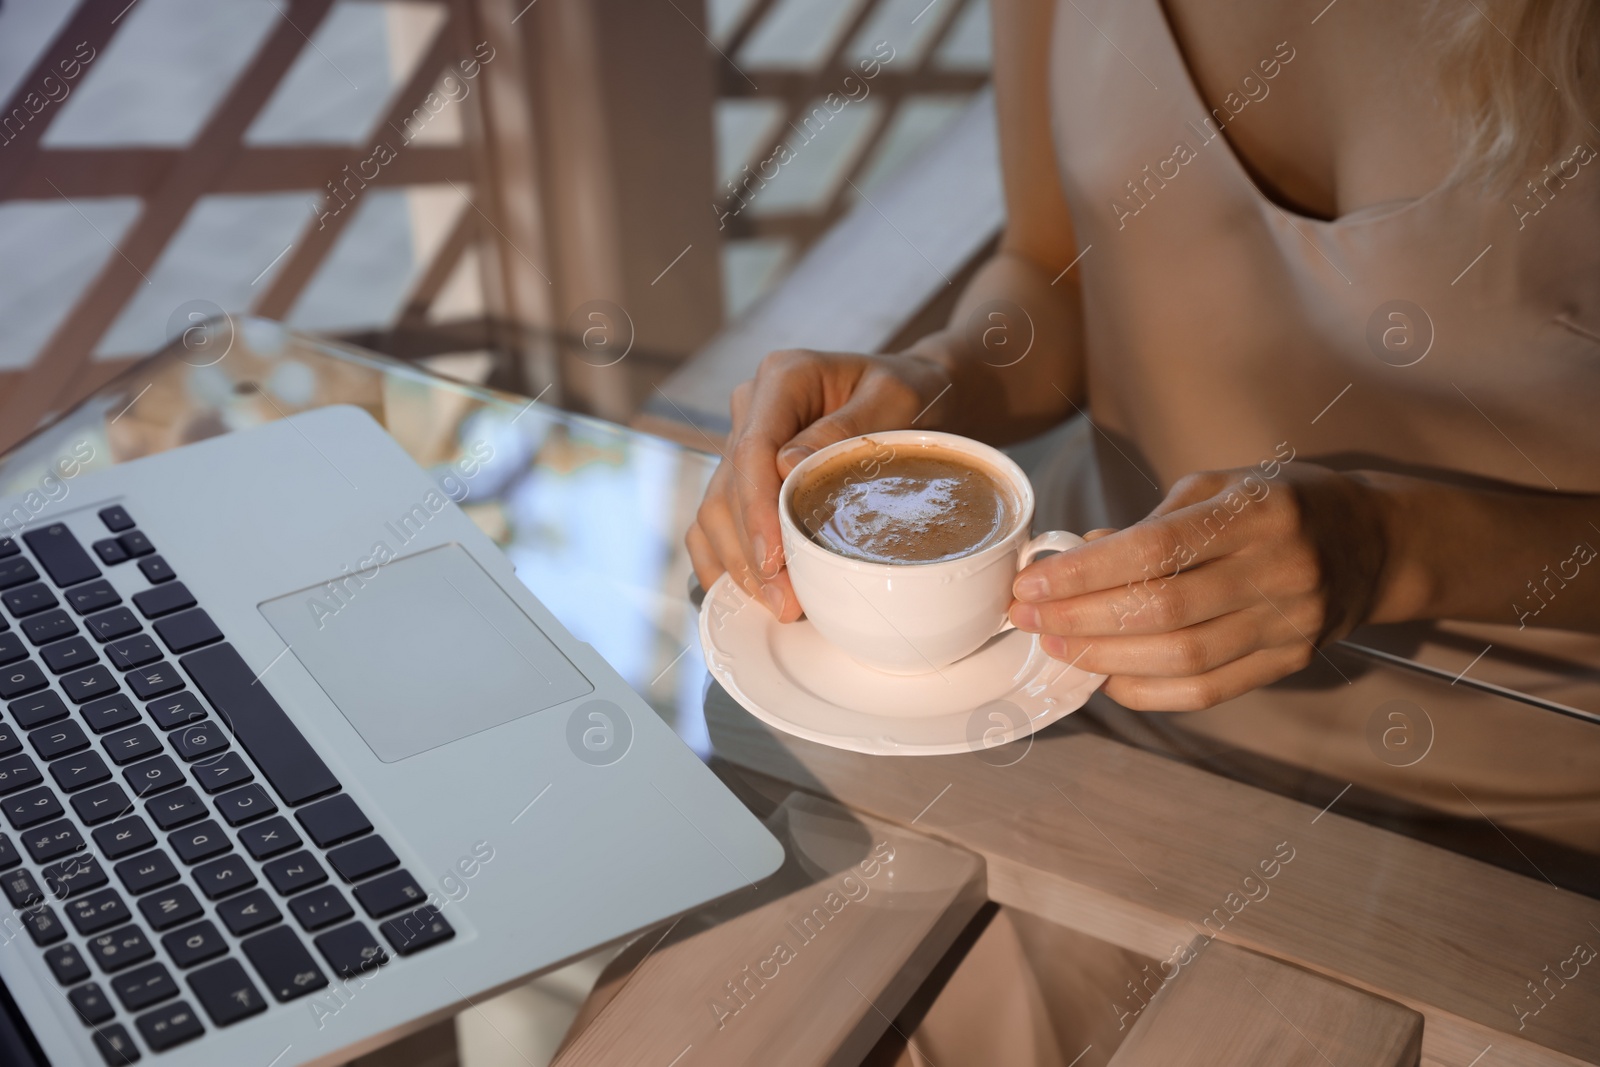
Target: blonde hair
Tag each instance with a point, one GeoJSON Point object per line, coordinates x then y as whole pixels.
{"type": "Point", "coordinates": [1522, 77]}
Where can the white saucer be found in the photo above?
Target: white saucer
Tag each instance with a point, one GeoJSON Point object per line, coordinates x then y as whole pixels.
{"type": "Point", "coordinates": [790, 678]}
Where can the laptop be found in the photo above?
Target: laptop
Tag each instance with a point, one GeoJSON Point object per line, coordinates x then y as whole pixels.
{"type": "Point", "coordinates": [291, 763]}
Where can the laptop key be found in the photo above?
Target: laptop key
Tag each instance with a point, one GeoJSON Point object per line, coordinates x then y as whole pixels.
{"type": "Point", "coordinates": [174, 711]}
{"type": "Point", "coordinates": [115, 1045]}
{"type": "Point", "coordinates": [223, 771]}
{"type": "Point", "coordinates": [21, 678]}
{"type": "Point", "coordinates": [16, 571]}
{"type": "Point", "coordinates": [135, 651]}
{"type": "Point", "coordinates": [294, 872]}
{"type": "Point", "coordinates": [58, 550]}
{"type": "Point", "coordinates": [116, 518]}
{"type": "Point", "coordinates": [142, 873]}
{"type": "Point", "coordinates": [83, 686]}
{"type": "Point", "coordinates": [68, 655]}
{"type": "Point", "coordinates": [221, 877]}
{"type": "Point", "coordinates": [417, 930]}
{"type": "Point", "coordinates": [225, 991]}
{"type": "Point", "coordinates": [9, 857]}
{"type": "Point", "coordinates": [283, 963]}
{"type": "Point", "coordinates": [351, 950]}
{"type": "Point", "coordinates": [124, 837]}
{"type": "Point", "coordinates": [163, 600]}
{"type": "Point", "coordinates": [38, 709]}
{"type": "Point", "coordinates": [176, 808]}
{"type": "Point", "coordinates": [29, 599]}
{"type": "Point", "coordinates": [156, 570]}
{"type": "Point", "coordinates": [320, 907]}
{"type": "Point", "coordinates": [330, 821]}
{"type": "Point", "coordinates": [46, 843]}
{"type": "Point", "coordinates": [58, 739]}
{"type": "Point", "coordinates": [90, 1002]}
{"type": "Point", "coordinates": [108, 713]}
{"type": "Point", "coordinates": [242, 805]}
{"type": "Point", "coordinates": [94, 596]}
{"type": "Point", "coordinates": [199, 842]}
{"type": "Point", "coordinates": [120, 949]}
{"type": "Point", "coordinates": [48, 626]}
{"type": "Point", "coordinates": [361, 858]}
{"type": "Point", "coordinates": [135, 543]}
{"type": "Point", "coordinates": [187, 630]}
{"type": "Point", "coordinates": [150, 984]}
{"type": "Point", "coordinates": [170, 1026]}
{"type": "Point", "coordinates": [394, 891]}
{"type": "Point", "coordinates": [134, 743]}
{"type": "Point", "coordinates": [9, 743]}
{"type": "Point", "coordinates": [152, 776]}
{"type": "Point", "coordinates": [11, 649]}
{"type": "Point", "coordinates": [67, 964]}
{"type": "Point", "coordinates": [45, 929]}
{"type": "Point", "coordinates": [71, 877]}
{"type": "Point", "coordinates": [79, 771]}
{"type": "Point", "coordinates": [97, 911]}
{"type": "Point", "coordinates": [31, 808]}
{"type": "Point", "coordinates": [110, 551]}
{"type": "Point", "coordinates": [95, 806]}
{"type": "Point", "coordinates": [18, 772]}
{"type": "Point", "coordinates": [110, 625]}
{"type": "Point", "coordinates": [153, 681]}
{"type": "Point", "coordinates": [248, 912]}
{"type": "Point", "coordinates": [287, 761]}
{"type": "Point", "coordinates": [194, 944]}
{"type": "Point", "coordinates": [266, 839]}
{"type": "Point", "coordinates": [20, 888]}
{"type": "Point", "coordinates": [170, 907]}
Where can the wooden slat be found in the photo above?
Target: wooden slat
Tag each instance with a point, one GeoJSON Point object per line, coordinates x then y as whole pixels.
{"type": "Point", "coordinates": [799, 90]}
{"type": "Point", "coordinates": [69, 348]}
{"type": "Point", "coordinates": [806, 968]}
{"type": "Point", "coordinates": [319, 234]}
{"type": "Point", "coordinates": [1230, 1007]}
{"type": "Point", "coordinates": [872, 272]}
{"type": "Point", "coordinates": [90, 24]}
{"type": "Point", "coordinates": [1138, 850]}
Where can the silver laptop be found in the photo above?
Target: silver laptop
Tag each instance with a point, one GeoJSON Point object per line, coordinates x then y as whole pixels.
{"type": "Point", "coordinates": [292, 763]}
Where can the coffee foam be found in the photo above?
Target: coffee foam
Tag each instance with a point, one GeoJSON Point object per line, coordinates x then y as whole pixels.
{"type": "Point", "coordinates": [904, 504]}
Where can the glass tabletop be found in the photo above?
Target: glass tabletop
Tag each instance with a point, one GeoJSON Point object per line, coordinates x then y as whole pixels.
{"type": "Point", "coordinates": [592, 515]}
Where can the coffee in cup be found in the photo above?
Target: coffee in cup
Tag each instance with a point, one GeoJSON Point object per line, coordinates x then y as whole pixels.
{"type": "Point", "coordinates": [902, 546]}
{"type": "Point", "coordinates": [915, 504]}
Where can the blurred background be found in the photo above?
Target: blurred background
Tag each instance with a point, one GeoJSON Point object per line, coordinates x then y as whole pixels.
{"type": "Point", "coordinates": [617, 206]}
{"type": "Point", "coordinates": [512, 192]}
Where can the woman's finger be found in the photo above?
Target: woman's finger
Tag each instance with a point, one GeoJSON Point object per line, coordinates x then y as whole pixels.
{"type": "Point", "coordinates": [707, 567]}
{"type": "Point", "coordinates": [1184, 653]}
{"type": "Point", "coordinates": [1152, 606]}
{"type": "Point", "coordinates": [1211, 688]}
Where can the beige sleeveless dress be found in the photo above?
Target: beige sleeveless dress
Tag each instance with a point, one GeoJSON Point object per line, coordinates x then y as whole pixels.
{"type": "Point", "coordinates": [1453, 336]}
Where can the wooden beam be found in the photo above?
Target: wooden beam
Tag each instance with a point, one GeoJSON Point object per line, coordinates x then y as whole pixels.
{"type": "Point", "coordinates": [1229, 1007]}
{"type": "Point", "coordinates": [213, 149]}
{"type": "Point", "coordinates": [1446, 935]}
{"type": "Point", "coordinates": [805, 969]}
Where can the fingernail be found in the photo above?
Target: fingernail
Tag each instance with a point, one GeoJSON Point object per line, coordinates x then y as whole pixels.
{"type": "Point", "coordinates": [1030, 587]}
{"type": "Point", "coordinates": [1026, 617]}
{"type": "Point", "coordinates": [766, 563]}
{"type": "Point", "coordinates": [774, 598]}
{"type": "Point", "coordinates": [794, 454]}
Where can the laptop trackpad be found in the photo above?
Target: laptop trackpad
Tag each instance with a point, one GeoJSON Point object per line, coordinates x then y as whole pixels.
{"type": "Point", "coordinates": [423, 651]}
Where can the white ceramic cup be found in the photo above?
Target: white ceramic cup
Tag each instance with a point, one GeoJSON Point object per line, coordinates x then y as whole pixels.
{"type": "Point", "coordinates": [912, 618]}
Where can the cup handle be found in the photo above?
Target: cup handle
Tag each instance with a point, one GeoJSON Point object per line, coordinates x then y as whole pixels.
{"type": "Point", "coordinates": [1050, 541]}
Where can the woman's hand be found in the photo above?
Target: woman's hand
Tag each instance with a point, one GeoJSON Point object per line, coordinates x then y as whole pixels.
{"type": "Point", "coordinates": [1230, 584]}
{"type": "Point", "coordinates": [799, 402]}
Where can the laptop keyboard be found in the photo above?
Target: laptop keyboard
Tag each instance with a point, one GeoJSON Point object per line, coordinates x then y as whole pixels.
{"type": "Point", "coordinates": [108, 805]}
